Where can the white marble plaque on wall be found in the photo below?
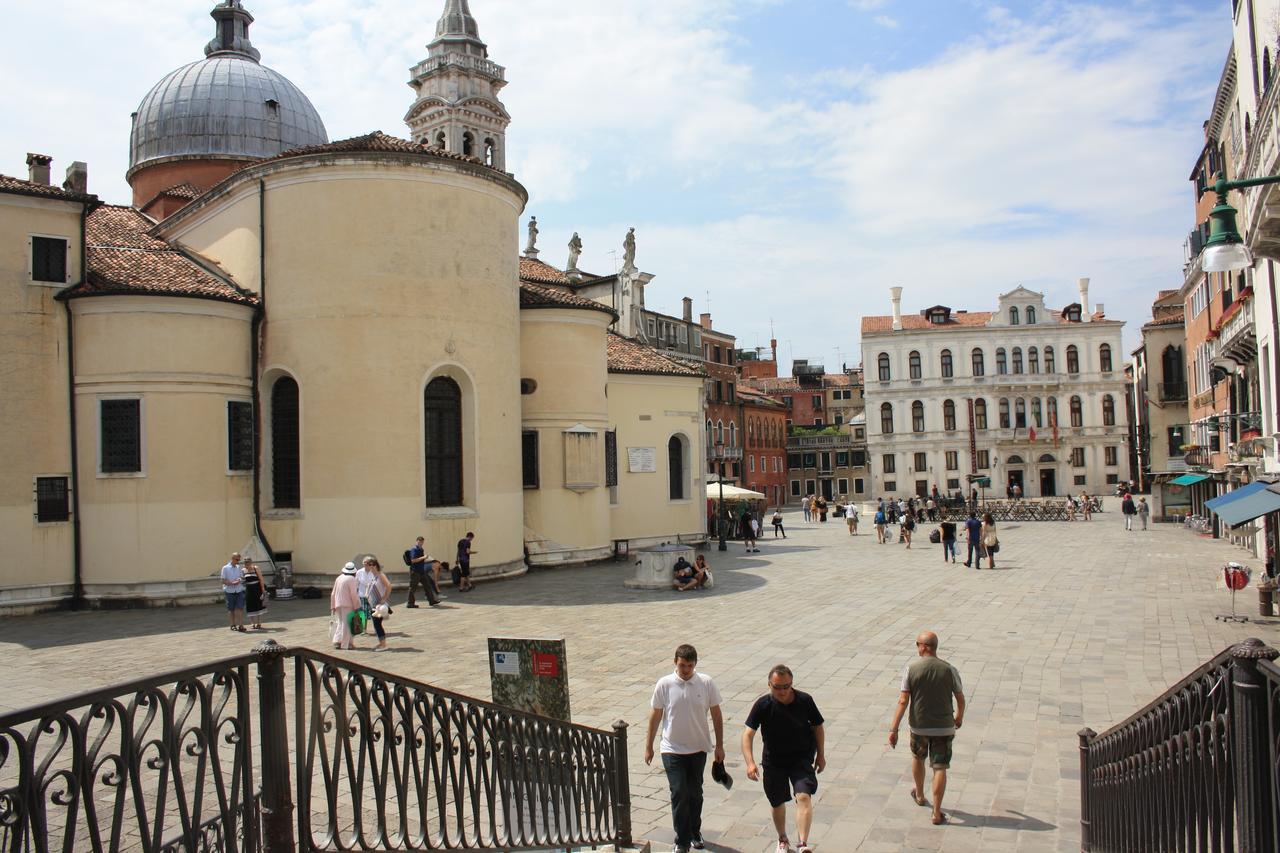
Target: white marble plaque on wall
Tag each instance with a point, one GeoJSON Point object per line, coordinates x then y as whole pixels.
{"type": "Point", "coordinates": [642, 460]}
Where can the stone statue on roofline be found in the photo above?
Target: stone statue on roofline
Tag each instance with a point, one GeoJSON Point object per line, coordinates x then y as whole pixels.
{"type": "Point", "coordinates": [575, 251]}
{"type": "Point", "coordinates": [629, 250]}
{"type": "Point", "coordinates": [531, 250]}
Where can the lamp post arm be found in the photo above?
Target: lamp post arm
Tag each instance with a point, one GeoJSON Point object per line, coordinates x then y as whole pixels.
{"type": "Point", "coordinates": [1223, 186]}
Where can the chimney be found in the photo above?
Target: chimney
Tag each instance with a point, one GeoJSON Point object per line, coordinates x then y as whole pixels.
{"type": "Point", "coordinates": [895, 294]}
{"type": "Point", "coordinates": [77, 178]}
{"type": "Point", "coordinates": [38, 166]}
{"type": "Point", "coordinates": [1083, 284]}
{"type": "Point", "coordinates": [704, 320]}
{"type": "Point", "coordinates": [773, 347]}
{"type": "Point", "coordinates": [1098, 309]}
{"type": "Point", "coordinates": [688, 310]}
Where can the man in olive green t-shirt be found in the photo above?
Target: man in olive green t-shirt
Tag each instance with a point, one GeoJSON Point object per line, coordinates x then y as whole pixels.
{"type": "Point", "coordinates": [928, 686]}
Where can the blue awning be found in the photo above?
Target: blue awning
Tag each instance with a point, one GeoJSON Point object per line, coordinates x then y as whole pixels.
{"type": "Point", "coordinates": [1188, 479]}
{"type": "Point", "coordinates": [1244, 504]}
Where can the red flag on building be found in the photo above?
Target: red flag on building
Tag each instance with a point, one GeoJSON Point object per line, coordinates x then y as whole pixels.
{"type": "Point", "coordinates": [1053, 421]}
{"type": "Point", "coordinates": [1031, 434]}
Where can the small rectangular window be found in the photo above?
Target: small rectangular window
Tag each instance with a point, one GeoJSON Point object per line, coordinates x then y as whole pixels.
{"type": "Point", "coordinates": [239, 435]}
{"type": "Point", "coordinates": [842, 486]}
{"type": "Point", "coordinates": [795, 488]}
{"type": "Point", "coordinates": [794, 461]}
{"type": "Point", "coordinates": [53, 499]}
{"type": "Point", "coordinates": [891, 485]}
{"type": "Point", "coordinates": [1110, 454]}
{"type": "Point", "coordinates": [1079, 479]}
{"type": "Point", "coordinates": [890, 463]}
{"type": "Point", "coordinates": [1112, 479]}
{"type": "Point", "coordinates": [984, 459]}
{"type": "Point", "coordinates": [858, 485]}
{"type": "Point", "coordinates": [49, 259]}
{"type": "Point", "coordinates": [120, 429]}
{"type": "Point", "coordinates": [953, 483]}
{"type": "Point", "coordinates": [529, 457]}
{"type": "Point", "coordinates": [921, 462]}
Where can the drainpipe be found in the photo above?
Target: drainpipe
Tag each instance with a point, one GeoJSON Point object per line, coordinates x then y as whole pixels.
{"type": "Point", "coordinates": [255, 355]}
{"type": "Point", "coordinates": [78, 599]}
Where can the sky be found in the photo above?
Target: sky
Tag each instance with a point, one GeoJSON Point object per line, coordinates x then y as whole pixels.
{"type": "Point", "coordinates": [784, 162]}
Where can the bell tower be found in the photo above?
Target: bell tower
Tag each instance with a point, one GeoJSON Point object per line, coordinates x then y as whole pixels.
{"type": "Point", "coordinates": [457, 106]}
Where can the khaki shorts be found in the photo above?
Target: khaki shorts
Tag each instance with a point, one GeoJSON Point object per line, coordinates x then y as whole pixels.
{"type": "Point", "coordinates": [934, 748]}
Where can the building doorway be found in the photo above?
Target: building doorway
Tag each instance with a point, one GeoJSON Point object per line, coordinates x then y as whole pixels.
{"type": "Point", "coordinates": [922, 488]}
{"type": "Point", "coordinates": [1048, 483]}
{"type": "Point", "coordinates": [827, 488]}
{"type": "Point", "coordinates": [1015, 479]}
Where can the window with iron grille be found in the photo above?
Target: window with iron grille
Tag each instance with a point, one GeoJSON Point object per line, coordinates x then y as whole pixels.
{"type": "Point", "coordinates": [891, 485]}
{"type": "Point", "coordinates": [121, 435]}
{"type": "Point", "coordinates": [286, 467]}
{"type": "Point", "coordinates": [953, 483]}
{"type": "Point", "coordinates": [53, 499]}
{"type": "Point", "coordinates": [49, 259]}
{"type": "Point", "coordinates": [611, 458]}
{"type": "Point", "coordinates": [1079, 479]}
{"type": "Point", "coordinates": [1112, 479]}
{"type": "Point", "coordinates": [529, 457]}
{"type": "Point", "coordinates": [442, 407]}
{"type": "Point", "coordinates": [239, 435]}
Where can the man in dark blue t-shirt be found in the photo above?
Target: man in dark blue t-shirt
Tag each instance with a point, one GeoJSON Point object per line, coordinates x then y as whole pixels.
{"type": "Point", "coordinates": [462, 566]}
{"type": "Point", "coordinates": [793, 752]}
{"type": "Point", "coordinates": [974, 528]}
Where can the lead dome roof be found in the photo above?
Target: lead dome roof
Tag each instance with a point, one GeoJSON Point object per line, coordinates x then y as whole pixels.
{"type": "Point", "coordinates": [225, 106]}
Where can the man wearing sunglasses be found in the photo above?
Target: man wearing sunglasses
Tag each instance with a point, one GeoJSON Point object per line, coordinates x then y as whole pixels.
{"type": "Point", "coordinates": [929, 685]}
{"type": "Point", "coordinates": [791, 732]}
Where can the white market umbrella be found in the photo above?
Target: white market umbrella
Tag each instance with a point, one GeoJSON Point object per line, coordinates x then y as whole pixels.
{"type": "Point", "coordinates": [733, 493]}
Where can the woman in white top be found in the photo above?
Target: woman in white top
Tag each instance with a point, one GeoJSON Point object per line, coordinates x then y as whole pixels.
{"type": "Point", "coordinates": [364, 577]}
{"type": "Point", "coordinates": [378, 597]}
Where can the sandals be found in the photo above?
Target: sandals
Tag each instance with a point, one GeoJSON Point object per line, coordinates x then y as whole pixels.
{"type": "Point", "coordinates": [940, 819]}
{"type": "Point", "coordinates": [917, 799]}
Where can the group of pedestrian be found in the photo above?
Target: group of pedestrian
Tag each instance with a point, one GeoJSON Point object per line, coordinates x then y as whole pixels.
{"type": "Point", "coordinates": [1129, 509]}
{"type": "Point", "coordinates": [983, 539]}
{"type": "Point", "coordinates": [793, 740]}
{"type": "Point", "coordinates": [814, 508]}
{"type": "Point", "coordinates": [245, 591]}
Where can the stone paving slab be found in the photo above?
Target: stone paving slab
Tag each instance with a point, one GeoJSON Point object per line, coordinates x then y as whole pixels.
{"type": "Point", "coordinates": [1080, 624]}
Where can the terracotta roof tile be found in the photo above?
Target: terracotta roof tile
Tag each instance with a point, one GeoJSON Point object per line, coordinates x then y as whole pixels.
{"type": "Point", "coordinates": [376, 141]}
{"type": "Point", "coordinates": [532, 269]}
{"type": "Point", "coordinates": [884, 323]}
{"type": "Point", "coordinates": [124, 258]}
{"type": "Point", "coordinates": [534, 295]}
{"type": "Point", "coordinates": [21, 187]}
{"type": "Point", "coordinates": [774, 384]}
{"type": "Point", "coordinates": [627, 356]}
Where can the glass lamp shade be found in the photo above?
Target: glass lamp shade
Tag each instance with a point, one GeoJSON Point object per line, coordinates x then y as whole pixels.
{"type": "Point", "coordinates": [1226, 257]}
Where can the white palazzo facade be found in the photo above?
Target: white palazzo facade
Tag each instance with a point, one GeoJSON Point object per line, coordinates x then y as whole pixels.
{"type": "Point", "coordinates": [1023, 394]}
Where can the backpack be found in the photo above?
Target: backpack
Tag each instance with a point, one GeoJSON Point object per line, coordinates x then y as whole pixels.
{"type": "Point", "coordinates": [408, 557]}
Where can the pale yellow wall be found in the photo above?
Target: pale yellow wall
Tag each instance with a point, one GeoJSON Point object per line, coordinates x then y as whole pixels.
{"type": "Point", "coordinates": [34, 419]}
{"type": "Point", "coordinates": [564, 352]}
{"type": "Point", "coordinates": [647, 411]}
{"type": "Point", "coordinates": [381, 275]}
{"type": "Point", "coordinates": [177, 521]}
{"type": "Point", "coordinates": [228, 232]}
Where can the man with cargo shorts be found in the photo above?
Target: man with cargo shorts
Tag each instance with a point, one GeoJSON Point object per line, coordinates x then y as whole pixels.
{"type": "Point", "coordinates": [928, 686]}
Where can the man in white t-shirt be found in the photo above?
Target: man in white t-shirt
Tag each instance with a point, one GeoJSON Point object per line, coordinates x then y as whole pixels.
{"type": "Point", "coordinates": [681, 702]}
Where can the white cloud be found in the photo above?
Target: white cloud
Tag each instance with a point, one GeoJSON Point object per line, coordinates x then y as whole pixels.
{"type": "Point", "coordinates": [886, 22]}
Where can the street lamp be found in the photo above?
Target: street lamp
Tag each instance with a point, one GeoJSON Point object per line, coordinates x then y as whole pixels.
{"type": "Point", "coordinates": [720, 510]}
{"type": "Point", "coordinates": [1225, 250]}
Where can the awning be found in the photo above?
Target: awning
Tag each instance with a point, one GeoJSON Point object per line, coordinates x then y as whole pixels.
{"type": "Point", "coordinates": [1188, 479]}
{"type": "Point", "coordinates": [1244, 504]}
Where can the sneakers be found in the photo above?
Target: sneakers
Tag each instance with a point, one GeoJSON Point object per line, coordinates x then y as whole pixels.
{"type": "Point", "coordinates": [783, 846]}
{"type": "Point", "coordinates": [698, 843]}
{"type": "Point", "coordinates": [803, 847]}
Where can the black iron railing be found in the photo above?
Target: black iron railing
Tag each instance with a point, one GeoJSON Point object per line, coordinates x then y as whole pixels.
{"type": "Point", "coordinates": [384, 762]}
{"type": "Point", "coordinates": [1039, 509]}
{"type": "Point", "coordinates": [158, 764]}
{"type": "Point", "coordinates": [1271, 685]}
{"type": "Point", "coordinates": [166, 764]}
{"type": "Point", "coordinates": [1192, 770]}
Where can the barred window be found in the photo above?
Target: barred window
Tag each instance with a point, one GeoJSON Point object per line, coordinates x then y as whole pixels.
{"type": "Point", "coordinates": [529, 457]}
{"type": "Point", "coordinates": [239, 435]}
{"type": "Point", "coordinates": [53, 499]}
{"type": "Point", "coordinates": [442, 407]}
{"type": "Point", "coordinates": [121, 435]}
{"type": "Point", "coordinates": [49, 259]}
{"type": "Point", "coordinates": [611, 457]}
{"type": "Point", "coordinates": [286, 467]}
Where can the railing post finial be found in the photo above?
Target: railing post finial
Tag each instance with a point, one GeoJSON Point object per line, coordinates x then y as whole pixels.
{"type": "Point", "coordinates": [273, 750]}
{"type": "Point", "coordinates": [621, 786]}
{"type": "Point", "coordinates": [1255, 820]}
{"type": "Point", "coordinates": [1086, 736]}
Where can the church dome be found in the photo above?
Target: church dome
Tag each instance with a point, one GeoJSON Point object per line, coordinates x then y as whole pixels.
{"type": "Point", "coordinates": [226, 106]}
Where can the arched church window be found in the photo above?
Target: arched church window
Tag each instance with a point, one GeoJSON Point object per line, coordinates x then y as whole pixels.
{"type": "Point", "coordinates": [286, 469]}
{"type": "Point", "coordinates": [490, 152]}
{"type": "Point", "coordinates": [442, 409]}
{"type": "Point", "coordinates": [675, 464]}
{"type": "Point", "coordinates": [468, 144]}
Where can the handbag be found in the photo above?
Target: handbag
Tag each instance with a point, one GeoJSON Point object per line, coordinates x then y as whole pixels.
{"type": "Point", "coordinates": [356, 621]}
{"type": "Point", "coordinates": [382, 611]}
{"type": "Point", "coordinates": [935, 537]}
{"type": "Point", "coordinates": [710, 581]}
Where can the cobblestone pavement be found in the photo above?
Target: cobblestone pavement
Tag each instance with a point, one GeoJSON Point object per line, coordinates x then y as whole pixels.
{"type": "Point", "coordinates": [1080, 624]}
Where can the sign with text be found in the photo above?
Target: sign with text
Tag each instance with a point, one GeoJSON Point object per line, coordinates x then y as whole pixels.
{"type": "Point", "coordinates": [530, 674]}
{"type": "Point", "coordinates": [642, 460]}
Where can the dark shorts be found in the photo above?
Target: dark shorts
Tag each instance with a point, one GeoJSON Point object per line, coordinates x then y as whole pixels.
{"type": "Point", "coordinates": [936, 749]}
{"type": "Point", "coordinates": [460, 571]}
{"type": "Point", "coordinates": [235, 600]}
{"type": "Point", "coordinates": [780, 781]}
